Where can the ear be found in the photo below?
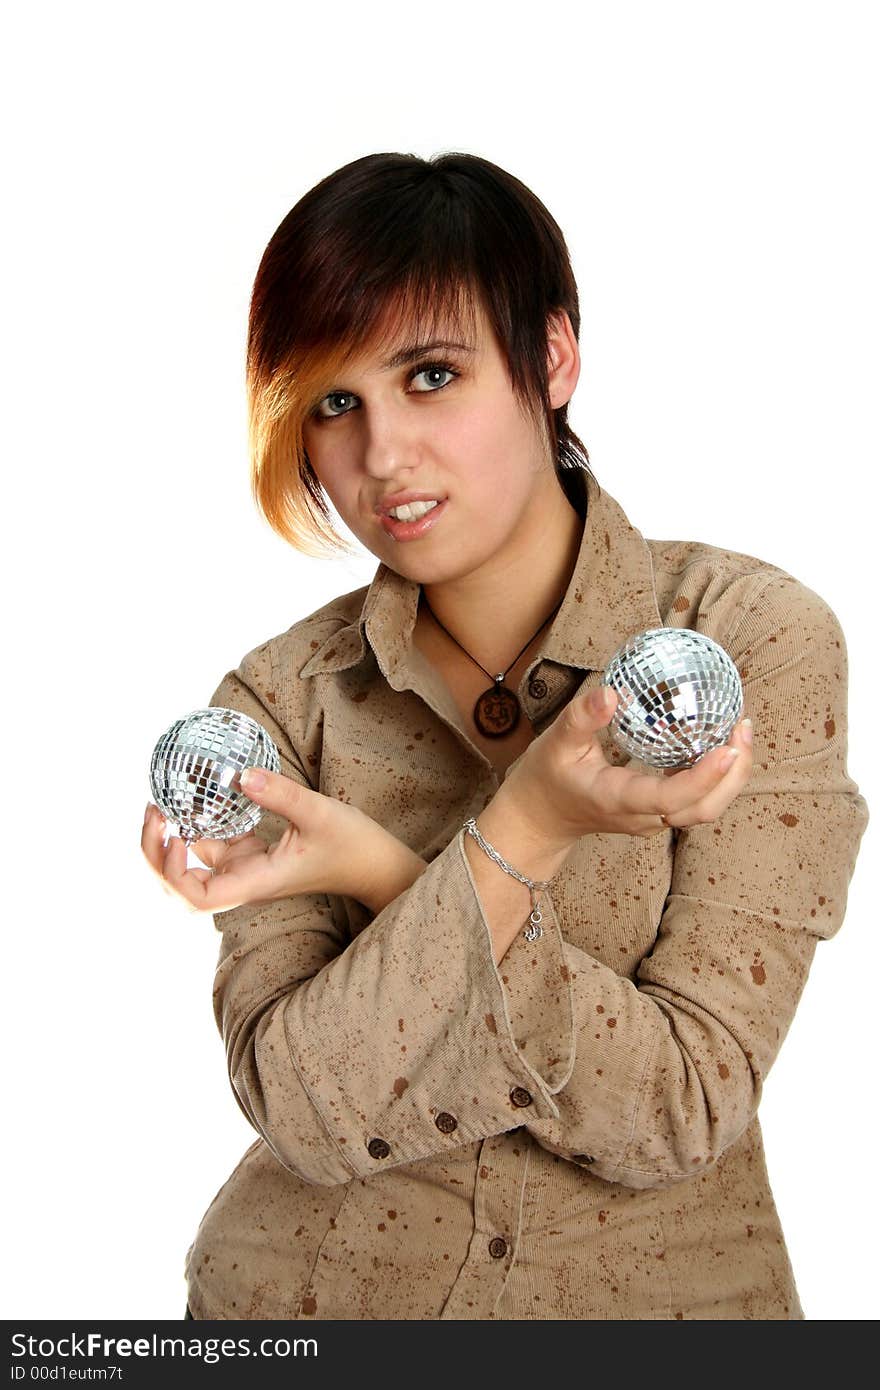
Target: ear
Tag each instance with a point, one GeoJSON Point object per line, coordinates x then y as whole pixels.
{"type": "Point", "coordinates": [564, 359]}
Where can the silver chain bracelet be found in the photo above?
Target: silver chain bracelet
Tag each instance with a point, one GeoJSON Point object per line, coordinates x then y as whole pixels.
{"type": "Point", "coordinates": [534, 928]}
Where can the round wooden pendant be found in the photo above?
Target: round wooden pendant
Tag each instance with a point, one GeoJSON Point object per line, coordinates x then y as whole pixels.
{"type": "Point", "coordinates": [496, 711]}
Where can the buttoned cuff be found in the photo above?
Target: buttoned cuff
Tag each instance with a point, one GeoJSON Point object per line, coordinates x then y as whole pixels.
{"type": "Point", "coordinates": [539, 1007]}
{"type": "Point", "coordinates": [411, 1040]}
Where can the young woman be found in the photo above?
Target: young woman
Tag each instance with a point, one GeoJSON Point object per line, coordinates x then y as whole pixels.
{"type": "Point", "coordinates": [498, 1001]}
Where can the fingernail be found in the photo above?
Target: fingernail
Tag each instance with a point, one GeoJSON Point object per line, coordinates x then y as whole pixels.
{"type": "Point", "coordinates": [747, 730]}
{"type": "Point", "coordinates": [727, 758]}
{"type": "Point", "coordinates": [147, 812]}
{"type": "Point", "coordinates": [598, 700]}
{"type": "Point", "coordinates": [253, 779]}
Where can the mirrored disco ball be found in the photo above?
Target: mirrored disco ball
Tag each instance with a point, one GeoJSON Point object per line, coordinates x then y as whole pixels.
{"type": "Point", "coordinates": [195, 769]}
{"type": "Point", "coordinates": [679, 696]}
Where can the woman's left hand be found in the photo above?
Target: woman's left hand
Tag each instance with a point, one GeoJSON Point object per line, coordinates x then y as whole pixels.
{"type": "Point", "coordinates": [328, 847]}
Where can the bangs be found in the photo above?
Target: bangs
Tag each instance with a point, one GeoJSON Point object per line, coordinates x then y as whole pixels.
{"type": "Point", "coordinates": [423, 311]}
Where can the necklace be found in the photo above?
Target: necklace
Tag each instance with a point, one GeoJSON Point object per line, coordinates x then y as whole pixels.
{"type": "Point", "coordinates": [497, 710]}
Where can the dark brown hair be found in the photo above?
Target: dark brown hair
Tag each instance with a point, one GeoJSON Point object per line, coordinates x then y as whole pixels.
{"type": "Point", "coordinates": [388, 240]}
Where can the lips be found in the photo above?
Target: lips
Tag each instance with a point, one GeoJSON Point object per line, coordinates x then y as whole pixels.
{"type": "Point", "coordinates": [398, 499]}
{"type": "Point", "coordinates": [412, 530]}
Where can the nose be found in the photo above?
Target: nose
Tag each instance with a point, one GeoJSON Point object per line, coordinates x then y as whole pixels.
{"type": "Point", "coordinates": [391, 448]}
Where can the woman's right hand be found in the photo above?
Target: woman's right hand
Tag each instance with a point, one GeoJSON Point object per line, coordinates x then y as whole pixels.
{"type": "Point", "coordinates": [563, 786]}
{"type": "Point", "coordinates": [329, 846]}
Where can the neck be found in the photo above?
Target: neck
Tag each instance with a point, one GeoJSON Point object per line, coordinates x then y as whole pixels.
{"type": "Point", "coordinates": [494, 611]}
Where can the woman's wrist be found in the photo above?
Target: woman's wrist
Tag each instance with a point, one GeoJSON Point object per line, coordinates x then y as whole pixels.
{"type": "Point", "coordinates": [521, 837]}
{"type": "Point", "coordinates": [387, 868]}
{"type": "Point", "coordinates": [504, 900]}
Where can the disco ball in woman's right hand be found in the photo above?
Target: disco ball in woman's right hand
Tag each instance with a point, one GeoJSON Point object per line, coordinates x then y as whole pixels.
{"type": "Point", "coordinates": [679, 695]}
{"type": "Point", "coordinates": [196, 768]}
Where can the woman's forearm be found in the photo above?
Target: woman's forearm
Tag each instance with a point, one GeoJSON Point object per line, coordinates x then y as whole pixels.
{"type": "Point", "coordinates": [389, 867]}
{"type": "Point", "coordinates": [507, 902]}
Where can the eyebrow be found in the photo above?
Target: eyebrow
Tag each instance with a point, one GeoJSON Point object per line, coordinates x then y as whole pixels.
{"type": "Point", "coordinates": [416, 350]}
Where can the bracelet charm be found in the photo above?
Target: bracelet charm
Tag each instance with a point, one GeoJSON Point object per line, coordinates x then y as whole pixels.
{"type": "Point", "coordinates": [533, 930]}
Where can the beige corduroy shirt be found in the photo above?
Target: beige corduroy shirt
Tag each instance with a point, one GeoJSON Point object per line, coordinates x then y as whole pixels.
{"type": "Point", "coordinates": [573, 1133]}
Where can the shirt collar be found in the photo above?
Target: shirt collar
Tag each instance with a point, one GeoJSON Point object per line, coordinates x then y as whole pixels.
{"type": "Point", "coordinates": [610, 597]}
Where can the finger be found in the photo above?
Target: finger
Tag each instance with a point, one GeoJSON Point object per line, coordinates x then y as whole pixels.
{"type": "Point", "coordinates": [206, 891]}
{"type": "Point", "coordinates": [247, 876]}
{"type": "Point", "coordinates": [717, 800]}
{"type": "Point", "coordinates": [185, 882]}
{"type": "Point", "coordinates": [583, 717]}
{"type": "Point", "coordinates": [673, 795]}
{"type": "Point", "coordinates": [738, 739]}
{"type": "Point", "coordinates": [720, 788]}
{"type": "Point", "coordinates": [210, 852]}
{"type": "Point", "coordinates": [275, 792]}
{"type": "Point", "coordinates": [152, 839]}
{"type": "Point", "coordinates": [199, 889]}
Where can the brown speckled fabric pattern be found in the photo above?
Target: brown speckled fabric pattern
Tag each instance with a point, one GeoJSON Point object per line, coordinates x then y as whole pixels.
{"type": "Point", "coordinates": [574, 1133]}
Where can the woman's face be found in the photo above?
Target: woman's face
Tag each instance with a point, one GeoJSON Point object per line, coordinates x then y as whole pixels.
{"type": "Point", "coordinates": [444, 423]}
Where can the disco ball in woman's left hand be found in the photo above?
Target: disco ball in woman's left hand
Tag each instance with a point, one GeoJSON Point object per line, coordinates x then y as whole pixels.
{"type": "Point", "coordinates": [196, 768]}
{"type": "Point", "coordinates": [679, 695]}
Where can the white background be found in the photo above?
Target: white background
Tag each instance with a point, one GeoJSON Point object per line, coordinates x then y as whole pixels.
{"type": "Point", "coordinates": [711, 168]}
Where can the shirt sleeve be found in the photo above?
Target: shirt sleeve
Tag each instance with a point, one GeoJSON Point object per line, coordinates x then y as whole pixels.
{"type": "Point", "coordinates": [349, 1056]}
{"type": "Point", "coordinates": [669, 1067]}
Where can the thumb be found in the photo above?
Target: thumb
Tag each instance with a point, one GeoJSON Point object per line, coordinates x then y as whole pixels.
{"type": "Point", "coordinates": [273, 791]}
{"type": "Point", "coordinates": [591, 712]}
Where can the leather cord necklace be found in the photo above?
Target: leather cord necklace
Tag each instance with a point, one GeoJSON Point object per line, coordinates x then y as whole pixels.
{"type": "Point", "coordinates": [497, 710]}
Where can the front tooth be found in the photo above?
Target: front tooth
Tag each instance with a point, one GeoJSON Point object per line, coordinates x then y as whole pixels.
{"type": "Point", "coordinates": [410, 511]}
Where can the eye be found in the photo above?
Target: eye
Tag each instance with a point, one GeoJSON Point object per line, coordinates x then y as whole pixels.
{"type": "Point", "coordinates": [434, 369]}
{"type": "Point", "coordinates": [337, 403]}
{"type": "Point", "coordinates": [345, 396]}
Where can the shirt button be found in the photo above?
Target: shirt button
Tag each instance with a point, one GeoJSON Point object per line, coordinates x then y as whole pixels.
{"type": "Point", "coordinates": [445, 1122]}
{"type": "Point", "coordinates": [497, 1247]}
{"type": "Point", "coordinates": [377, 1148]}
{"type": "Point", "coordinates": [537, 688]}
{"type": "Point", "coordinates": [520, 1096]}
{"type": "Point", "coordinates": [583, 1158]}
